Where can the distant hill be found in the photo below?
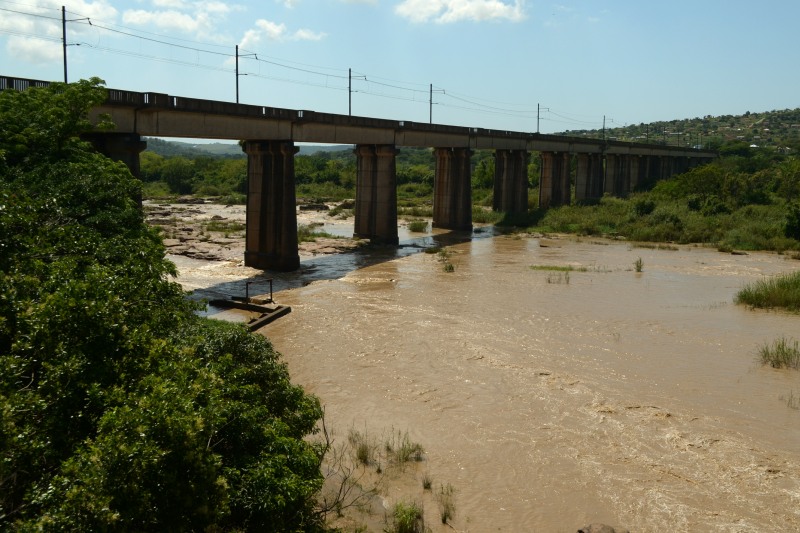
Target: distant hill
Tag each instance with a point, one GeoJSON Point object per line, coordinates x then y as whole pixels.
{"type": "Point", "coordinates": [771, 129]}
{"type": "Point", "coordinates": [222, 150]}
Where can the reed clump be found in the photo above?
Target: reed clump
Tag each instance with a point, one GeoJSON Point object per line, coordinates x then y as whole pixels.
{"type": "Point", "coordinates": [781, 353]}
{"type": "Point", "coordinates": [782, 292]}
{"type": "Point", "coordinates": [406, 518]}
{"type": "Point", "coordinates": [418, 226]}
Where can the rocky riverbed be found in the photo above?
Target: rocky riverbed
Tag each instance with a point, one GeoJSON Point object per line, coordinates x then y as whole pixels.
{"type": "Point", "coordinates": [202, 229]}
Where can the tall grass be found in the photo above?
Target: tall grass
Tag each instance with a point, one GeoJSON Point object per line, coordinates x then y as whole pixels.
{"type": "Point", "coordinates": [782, 353]}
{"type": "Point", "coordinates": [307, 233]}
{"type": "Point", "coordinates": [782, 291]}
{"type": "Point", "coordinates": [407, 518]}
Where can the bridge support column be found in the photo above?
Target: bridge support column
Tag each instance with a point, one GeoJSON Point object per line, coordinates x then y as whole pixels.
{"type": "Point", "coordinates": [271, 242]}
{"type": "Point", "coordinates": [654, 168]}
{"type": "Point", "coordinates": [452, 189]}
{"type": "Point", "coordinates": [614, 174]}
{"type": "Point", "coordinates": [124, 147]}
{"type": "Point", "coordinates": [633, 173]}
{"type": "Point", "coordinates": [376, 193]}
{"type": "Point", "coordinates": [666, 167]}
{"type": "Point", "coordinates": [589, 177]}
{"type": "Point", "coordinates": [511, 181]}
{"type": "Point", "coordinates": [554, 181]}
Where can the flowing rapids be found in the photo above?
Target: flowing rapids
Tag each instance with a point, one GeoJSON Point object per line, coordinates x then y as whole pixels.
{"type": "Point", "coordinates": [553, 399]}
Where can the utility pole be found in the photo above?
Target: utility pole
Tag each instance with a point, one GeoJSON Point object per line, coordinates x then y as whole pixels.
{"type": "Point", "coordinates": [430, 105]}
{"type": "Point", "coordinates": [537, 118]}
{"type": "Point", "coordinates": [604, 128]}
{"type": "Point", "coordinates": [350, 92]}
{"type": "Point", "coordinates": [64, 38]}
{"type": "Point", "coordinates": [237, 73]}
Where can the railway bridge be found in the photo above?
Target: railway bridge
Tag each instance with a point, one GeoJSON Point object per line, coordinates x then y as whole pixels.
{"type": "Point", "coordinates": [269, 135]}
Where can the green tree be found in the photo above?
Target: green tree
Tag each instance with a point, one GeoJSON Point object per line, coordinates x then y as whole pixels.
{"type": "Point", "coordinates": [120, 409]}
{"type": "Point", "coordinates": [179, 173]}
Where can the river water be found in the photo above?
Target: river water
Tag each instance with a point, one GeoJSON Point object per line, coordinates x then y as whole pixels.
{"type": "Point", "coordinates": [550, 399]}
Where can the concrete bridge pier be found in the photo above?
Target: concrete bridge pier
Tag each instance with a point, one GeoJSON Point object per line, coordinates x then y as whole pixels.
{"type": "Point", "coordinates": [614, 175]}
{"type": "Point", "coordinates": [554, 186]}
{"type": "Point", "coordinates": [589, 177]}
{"type": "Point", "coordinates": [271, 241]}
{"type": "Point", "coordinates": [376, 193]}
{"type": "Point", "coordinates": [124, 147]}
{"type": "Point", "coordinates": [452, 189]}
{"type": "Point", "coordinates": [511, 181]}
{"type": "Point", "coordinates": [633, 173]}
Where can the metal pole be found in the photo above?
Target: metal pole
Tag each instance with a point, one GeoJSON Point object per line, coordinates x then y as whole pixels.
{"type": "Point", "coordinates": [64, 38]}
{"type": "Point", "coordinates": [430, 105]}
{"type": "Point", "coordinates": [237, 73]}
{"type": "Point", "coordinates": [537, 118]}
{"type": "Point", "coordinates": [350, 92]}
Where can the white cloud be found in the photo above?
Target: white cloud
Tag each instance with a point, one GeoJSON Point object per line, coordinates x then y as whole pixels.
{"type": "Point", "coordinates": [168, 20]}
{"type": "Point", "coordinates": [198, 18]}
{"type": "Point", "coordinates": [266, 29]}
{"type": "Point", "coordinates": [34, 50]}
{"type": "Point", "coordinates": [288, 3]}
{"type": "Point", "coordinates": [447, 11]}
{"type": "Point", "coordinates": [307, 35]}
{"type": "Point", "coordinates": [38, 39]}
{"type": "Point", "coordinates": [171, 4]}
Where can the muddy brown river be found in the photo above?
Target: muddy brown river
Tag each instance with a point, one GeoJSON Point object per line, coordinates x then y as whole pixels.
{"type": "Point", "coordinates": [551, 399]}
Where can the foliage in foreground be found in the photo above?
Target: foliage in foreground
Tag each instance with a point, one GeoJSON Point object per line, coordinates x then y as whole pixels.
{"type": "Point", "coordinates": [782, 291]}
{"type": "Point", "coordinates": [119, 408]}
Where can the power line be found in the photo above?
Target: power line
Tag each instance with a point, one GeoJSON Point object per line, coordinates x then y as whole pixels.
{"type": "Point", "coordinates": [402, 90]}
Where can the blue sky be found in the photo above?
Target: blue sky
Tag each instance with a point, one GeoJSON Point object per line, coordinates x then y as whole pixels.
{"type": "Point", "coordinates": [491, 62]}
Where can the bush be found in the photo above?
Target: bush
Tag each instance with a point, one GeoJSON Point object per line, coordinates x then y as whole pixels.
{"type": "Point", "coordinates": [792, 228]}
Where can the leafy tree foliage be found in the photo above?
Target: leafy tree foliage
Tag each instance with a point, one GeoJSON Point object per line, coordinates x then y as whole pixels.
{"type": "Point", "coordinates": [119, 408]}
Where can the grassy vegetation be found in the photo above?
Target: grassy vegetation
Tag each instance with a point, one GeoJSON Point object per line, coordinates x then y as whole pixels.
{"type": "Point", "coordinates": [782, 291]}
{"type": "Point", "coordinates": [443, 256]}
{"type": "Point", "coordinates": [407, 518]}
{"type": "Point", "coordinates": [558, 268]}
{"type": "Point", "coordinates": [638, 265]}
{"type": "Point", "coordinates": [418, 226]}
{"type": "Point", "coordinates": [223, 226]}
{"type": "Point", "coordinates": [427, 481]}
{"type": "Point", "coordinates": [446, 501]}
{"type": "Point", "coordinates": [781, 353]}
{"type": "Point", "coordinates": [308, 233]}
{"type": "Point", "coordinates": [400, 449]}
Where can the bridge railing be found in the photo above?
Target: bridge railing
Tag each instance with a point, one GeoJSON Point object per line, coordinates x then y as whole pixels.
{"type": "Point", "coordinates": [20, 84]}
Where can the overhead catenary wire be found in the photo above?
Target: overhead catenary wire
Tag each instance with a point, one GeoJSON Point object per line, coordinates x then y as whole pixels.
{"type": "Point", "coordinates": [326, 77]}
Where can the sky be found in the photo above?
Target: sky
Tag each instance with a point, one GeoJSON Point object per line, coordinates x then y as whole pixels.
{"type": "Point", "coordinates": [519, 65]}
